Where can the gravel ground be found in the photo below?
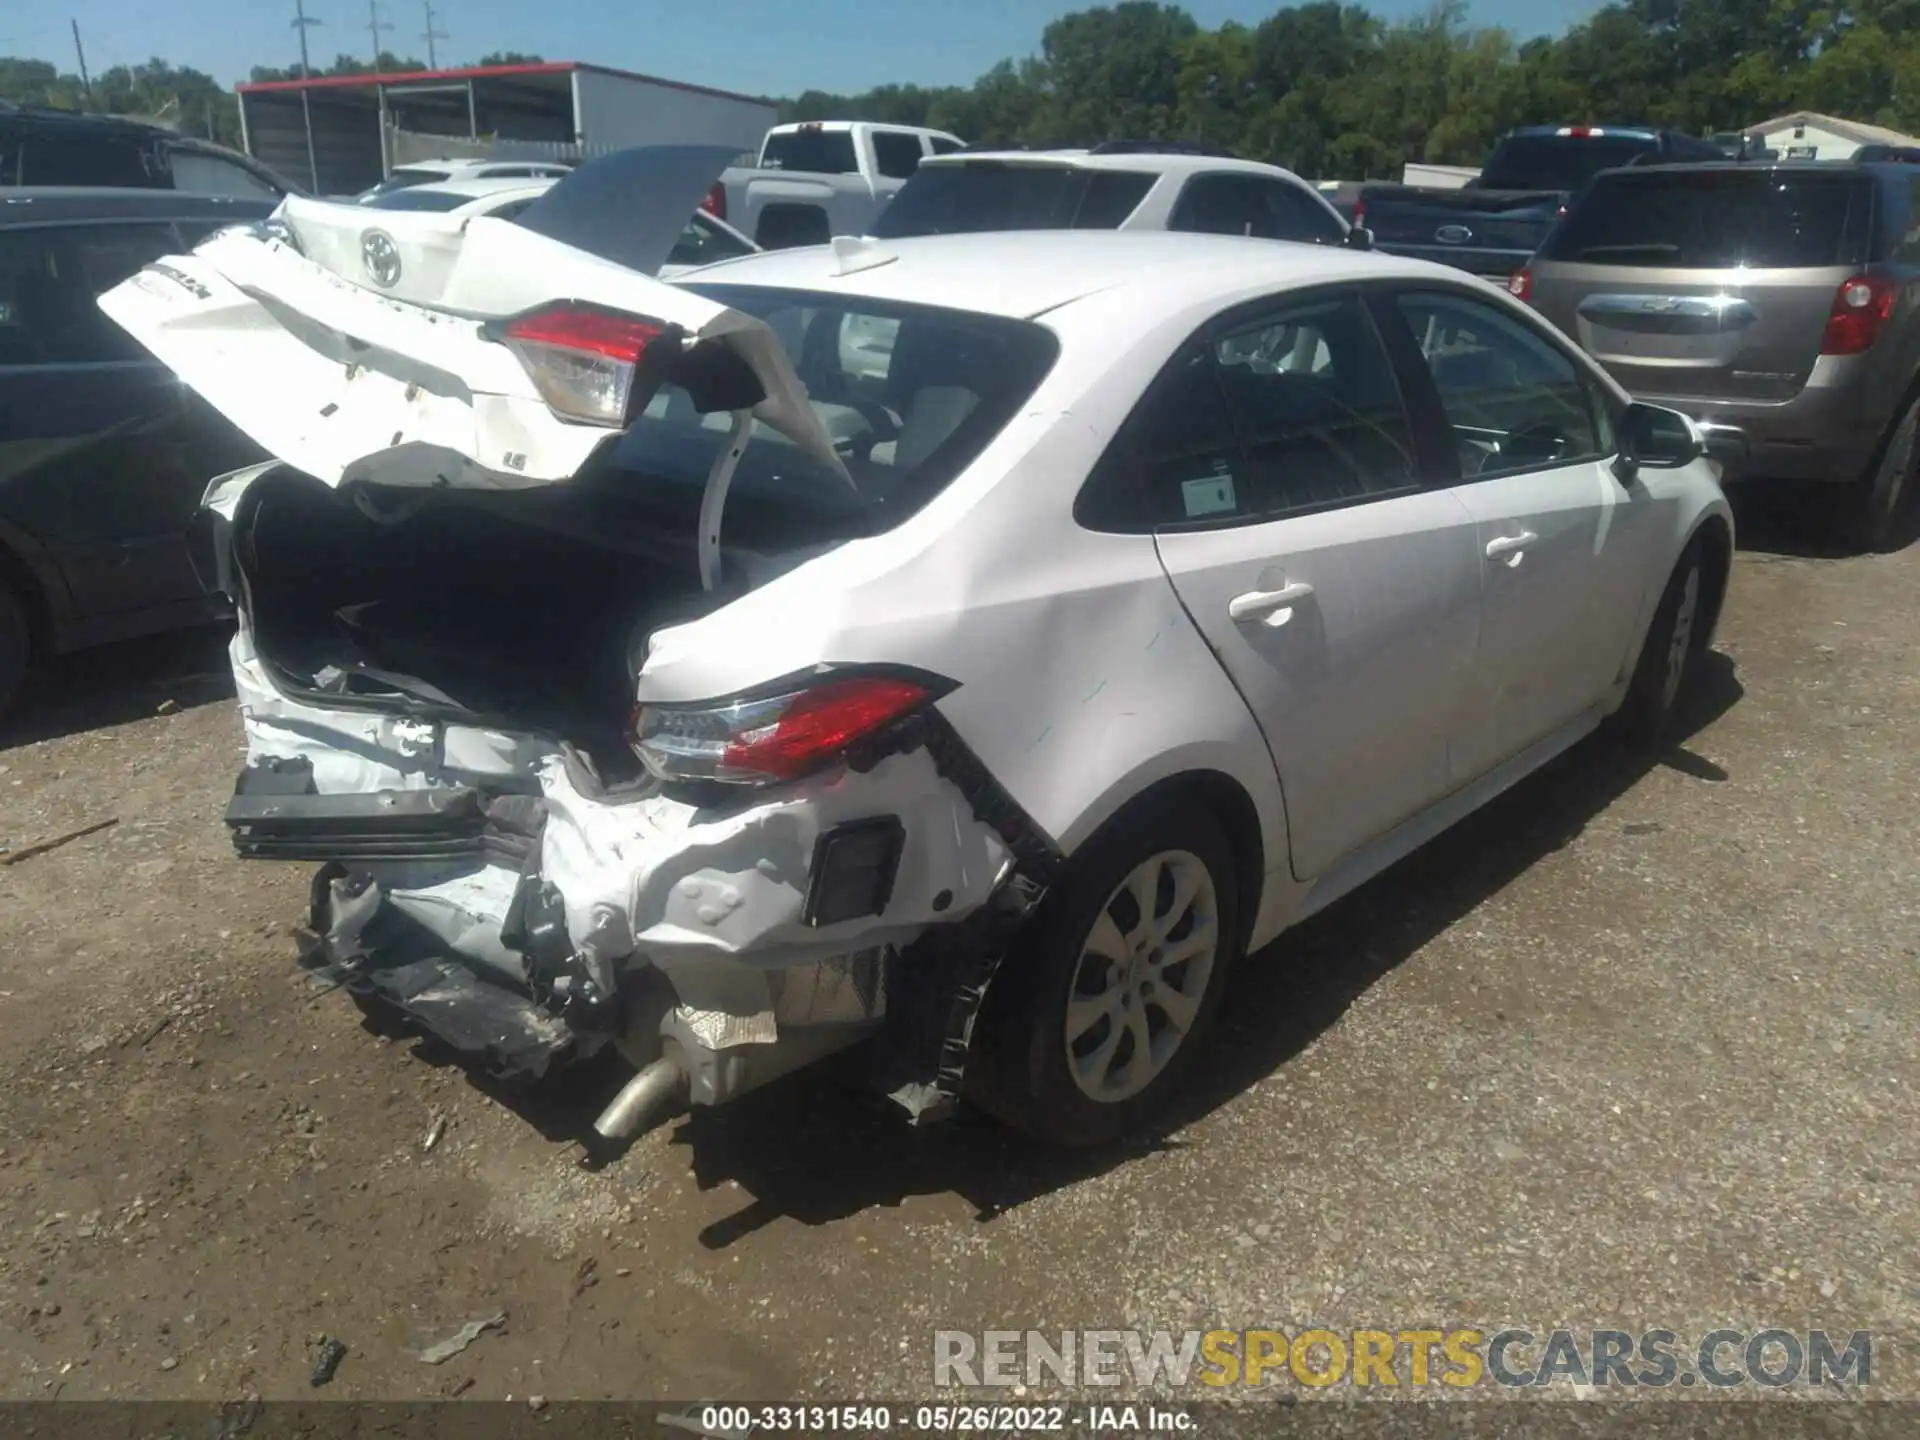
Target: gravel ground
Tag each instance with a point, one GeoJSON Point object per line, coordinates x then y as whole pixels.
{"type": "Point", "coordinates": [1632, 1048]}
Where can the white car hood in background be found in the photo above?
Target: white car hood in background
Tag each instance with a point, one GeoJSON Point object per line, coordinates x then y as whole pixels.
{"type": "Point", "coordinates": [346, 381]}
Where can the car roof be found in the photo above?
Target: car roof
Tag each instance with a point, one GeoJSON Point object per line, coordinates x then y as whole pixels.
{"type": "Point", "coordinates": [1158, 162]}
{"type": "Point", "coordinates": [62, 203]}
{"type": "Point", "coordinates": [1022, 274]}
{"type": "Point", "coordinates": [456, 165]}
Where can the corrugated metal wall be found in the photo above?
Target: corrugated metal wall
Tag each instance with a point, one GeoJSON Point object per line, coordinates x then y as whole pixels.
{"type": "Point", "coordinates": [346, 140]}
{"type": "Point", "coordinates": [618, 111]}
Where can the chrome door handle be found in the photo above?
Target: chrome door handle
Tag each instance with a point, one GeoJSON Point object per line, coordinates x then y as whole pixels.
{"type": "Point", "coordinates": [1273, 606]}
{"type": "Point", "coordinates": [1511, 548]}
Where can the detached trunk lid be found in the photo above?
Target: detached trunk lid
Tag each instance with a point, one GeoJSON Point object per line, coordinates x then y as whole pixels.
{"type": "Point", "coordinates": [1707, 284]}
{"type": "Point", "coordinates": [354, 347]}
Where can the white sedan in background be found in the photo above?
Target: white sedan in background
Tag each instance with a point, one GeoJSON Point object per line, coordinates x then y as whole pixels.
{"type": "Point", "coordinates": [704, 241]}
{"type": "Point", "coordinates": [648, 673]}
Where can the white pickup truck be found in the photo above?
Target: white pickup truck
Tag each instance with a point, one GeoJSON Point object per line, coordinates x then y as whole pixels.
{"type": "Point", "coordinates": [822, 178]}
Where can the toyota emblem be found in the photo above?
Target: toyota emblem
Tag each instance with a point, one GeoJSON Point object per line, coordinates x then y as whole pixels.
{"type": "Point", "coordinates": [381, 257]}
{"type": "Point", "coordinates": [1453, 234]}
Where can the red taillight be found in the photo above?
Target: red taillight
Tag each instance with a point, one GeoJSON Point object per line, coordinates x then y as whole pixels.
{"type": "Point", "coordinates": [1359, 220]}
{"type": "Point", "coordinates": [1561, 213]}
{"type": "Point", "coordinates": [781, 737]}
{"type": "Point", "coordinates": [716, 202]}
{"type": "Point", "coordinates": [1579, 132]}
{"type": "Point", "coordinates": [1520, 285]}
{"type": "Point", "coordinates": [1860, 307]}
{"type": "Point", "coordinates": [581, 359]}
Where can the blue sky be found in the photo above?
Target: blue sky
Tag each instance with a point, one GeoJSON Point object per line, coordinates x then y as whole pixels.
{"type": "Point", "coordinates": [763, 46]}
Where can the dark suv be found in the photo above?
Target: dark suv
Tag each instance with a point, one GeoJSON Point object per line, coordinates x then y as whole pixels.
{"type": "Point", "coordinates": [1775, 299]}
{"type": "Point", "coordinates": [104, 455]}
{"type": "Point", "coordinates": [40, 147]}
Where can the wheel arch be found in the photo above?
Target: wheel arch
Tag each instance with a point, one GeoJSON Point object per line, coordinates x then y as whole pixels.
{"type": "Point", "coordinates": [1228, 801]}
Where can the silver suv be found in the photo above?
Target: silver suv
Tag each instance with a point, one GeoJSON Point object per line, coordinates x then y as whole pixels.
{"type": "Point", "coordinates": [1777, 300]}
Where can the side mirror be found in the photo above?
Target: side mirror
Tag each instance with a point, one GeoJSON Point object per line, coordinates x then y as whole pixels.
{"type": "Point", "coordinates": [1653, 438]}
{"type": "Point", "coordinates": [1359, 238]}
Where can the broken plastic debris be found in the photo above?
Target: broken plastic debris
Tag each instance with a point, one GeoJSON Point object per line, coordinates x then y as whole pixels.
{"type": "Point", "coordinates": [460, 1339]}
{"type": "Point", "coordinates": [327, 1360]}
{"type": "Point", "coordinates": [434, 1132]}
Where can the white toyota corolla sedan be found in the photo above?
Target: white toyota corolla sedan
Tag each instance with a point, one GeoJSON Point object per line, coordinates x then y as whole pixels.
{"type": "Point", "coordinates": [971, 645]}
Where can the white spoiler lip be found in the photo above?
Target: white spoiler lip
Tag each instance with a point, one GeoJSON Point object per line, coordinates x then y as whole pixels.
{"type": "Point", "coordinates": [346, 384]}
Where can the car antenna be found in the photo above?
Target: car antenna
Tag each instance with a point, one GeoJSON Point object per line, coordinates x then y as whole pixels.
{"type": "Point", "coordinates": [854, 253]}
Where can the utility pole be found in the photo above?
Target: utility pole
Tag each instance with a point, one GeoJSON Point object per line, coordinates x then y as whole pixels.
{"type": "Point", "coordinates": [432, 34]}
{"type": "Point", "coordinates": [374, 26]}
{"type": "Point", "coordinates": [302, 22]}
{"type": "Point", "coordinates": [86, 81]}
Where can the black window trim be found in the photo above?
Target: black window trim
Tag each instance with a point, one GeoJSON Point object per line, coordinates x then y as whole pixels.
{"type": "Point", "coordinates": [1423, 395]}
{"type": "Point", "coordinates": [1237, 317]}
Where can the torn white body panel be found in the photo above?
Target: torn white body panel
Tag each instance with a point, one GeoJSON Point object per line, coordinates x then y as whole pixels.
{"type": "Point", "coordinates": [346, 383]}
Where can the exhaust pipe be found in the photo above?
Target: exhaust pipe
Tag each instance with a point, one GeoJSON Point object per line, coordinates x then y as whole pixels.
{"type": "Point", "coordinates": [641, 1099]}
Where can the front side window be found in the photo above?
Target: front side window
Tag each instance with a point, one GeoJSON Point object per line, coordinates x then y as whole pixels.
{"type": "Point", "coordinates": [704, 244]}
{"type": "Point", "coordinates": [1218, 205]}
{"type": "Point", "coordinates": [1293, 214]}
{"type": "Point", "coordinates": [198, 173]}
{"type": "Point", "coordinates": [1289, 411]}
{"type": "Point", "coordinates": [50, 280]}
{"type": "Point", "coordinates": [1513, 399]}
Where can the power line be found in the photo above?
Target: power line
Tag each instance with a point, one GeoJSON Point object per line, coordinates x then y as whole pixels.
{"type": "Point", "coordinates": [431, 34]}
{"type": "Point", "coordinates": [374, 26]}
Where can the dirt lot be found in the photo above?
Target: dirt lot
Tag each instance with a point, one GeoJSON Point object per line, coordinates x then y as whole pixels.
{"type": "Point", "coordinates": [1636, 1046]}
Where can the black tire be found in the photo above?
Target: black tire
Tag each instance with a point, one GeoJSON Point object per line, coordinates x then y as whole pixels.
{"type": "Point", "coordinates": [16, 644]}
{"type": "Point", "coordinates": [1021, 1072]}
{"type": "Point", "coordinates": [1667, 659]}
{"type": "Point", "coordinates": [1883, 493]}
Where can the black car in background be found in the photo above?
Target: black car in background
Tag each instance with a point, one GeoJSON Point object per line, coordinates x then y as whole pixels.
{"type": "Point", "coordinates": [41, 147]}
{"type": "Point", "coordinates": [103, 454]}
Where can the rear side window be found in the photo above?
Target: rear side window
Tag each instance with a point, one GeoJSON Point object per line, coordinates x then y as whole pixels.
{"type": "Point", "coordinates": [1560, 162]}
{"type": "Point", "coordinates": [419, 199]}
{"type": "Point", "coordinates": [985, 195]}
{"type": "Point", "coordinates": [909, 394]}
{"type": "Point", "coordinates": [895, 154]}
{"type": "Point", "coordinates": [402, 180]}
{"type": "Point", "coordinates": [50, 280]}
{"type": "Point", "coordinates": [1291, 411]}
{"type": "Point", "coordinates": [818, 152]}
{"type": "Point", "coordinates": [36, 155]}
{"type": "Point", "coordinates": [1717, 220]}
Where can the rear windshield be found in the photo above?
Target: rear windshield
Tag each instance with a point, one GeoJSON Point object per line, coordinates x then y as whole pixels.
{"type": "Point", "coordinates": [418, 200]}
{"type": "Point", "coordinates": [996, 195]}
{"type": "Point", "coordinates": [401, 180]}
{"type": "Point", "coordinates": [1716, 220]}
{"type": "Point", "coordinates": [1559, 162]}
{"type": "Point", "coordinates": [819, 152]}
{"type": "Point", "coordinates": [910, 394]}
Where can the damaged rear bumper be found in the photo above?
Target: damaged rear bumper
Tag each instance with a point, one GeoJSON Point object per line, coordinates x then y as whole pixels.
{"type": "Point", "coordinates": [474, 883]}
